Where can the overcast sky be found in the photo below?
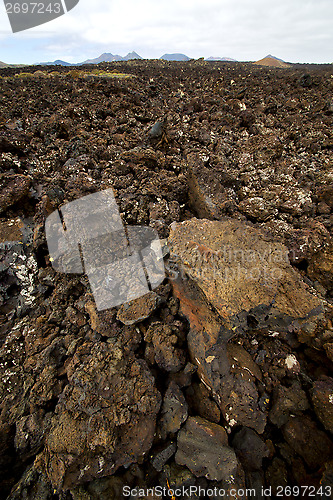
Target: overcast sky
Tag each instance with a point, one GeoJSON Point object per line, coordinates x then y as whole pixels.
{"type": "Point", "coordinates": [293, 30]}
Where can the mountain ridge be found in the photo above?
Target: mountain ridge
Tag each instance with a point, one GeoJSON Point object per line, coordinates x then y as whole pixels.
{"type": "Point", "coordinates": [269, 60]}
{"type": "Point", "coordinates": [222, 59]}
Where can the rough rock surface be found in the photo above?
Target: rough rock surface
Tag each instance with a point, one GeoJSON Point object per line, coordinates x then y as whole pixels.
{"type": "Point", "coordinates": [287, 401]}
{"type": "Point", "coordinates": [161, 346]}
{"type": "Point", "coordinates": [12, 189]}
{"type": "Point", "coordinates": [241, 270]}
{"type": "Point", "coordinates": [203, 447]}
{"type": "Point", "coordinates": [240, 143]}
{"type": "Point", "coordinates": [139, 309]}
{"type": "Point", "coordinates": [232, 384]}
{"type": "Point", "coordinates": [104, 419]}
{"type": "Point", "coordinates": [174, 410]}
{"type": "Point", "coordinates": [302, 434]}
{"type": "Point", "coordinates": [322, 399]}
{"type": "Point", "coordinates": [274, 297]}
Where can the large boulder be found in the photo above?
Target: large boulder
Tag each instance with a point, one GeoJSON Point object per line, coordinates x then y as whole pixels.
{"type": "Point", "coordinates": [233, 277]}
{"type": "Point", "coordinates": [226, 369]}
{"type": "Point", "coordinates": [105, 417]}
{"type": "Point", "coordinates": [242, 272]}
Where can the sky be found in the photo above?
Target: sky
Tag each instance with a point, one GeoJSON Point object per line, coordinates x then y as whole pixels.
{"type": "Point", "coordinates": [293, 30]}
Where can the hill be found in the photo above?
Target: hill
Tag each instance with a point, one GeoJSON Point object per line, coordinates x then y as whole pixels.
{"type": "Point", "coordinates": [131, 55]}
{"type": "Point", "coordinates": [175, 57]}
{"type": "Point", "coordinates": [106, 57]}
{"type": "Point", "coordinates": [6, 65]}
{"type": "Point", "coordinates": [58, 62]}
{"type": "Point", "coordinates": [273, 62]}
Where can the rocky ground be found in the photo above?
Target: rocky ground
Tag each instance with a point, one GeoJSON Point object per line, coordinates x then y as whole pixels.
{"type": "Point", "coordinates": [223, 375]}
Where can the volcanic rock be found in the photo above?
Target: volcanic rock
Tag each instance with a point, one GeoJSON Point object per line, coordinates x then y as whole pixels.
{"type": "Point", "coordinates": [209, 255]}
{"type": "Point", "coordinates": [243, 141]}
{"type": "Point", "coordinates": [313, 445]}
{"type": "Point", "coordinates": [207, 193]}
{"type": "Point", "coordinates": [158, 131]}
{"type": "Point", "coordinates": [306, 80]}
{"type": "Point", "coordinates": [174, 410]}
{"type": "Point", "coordinates": [12, 189]}
{"type": "Point", "coordinates": [242, 272]}
{"type": "Point", "coordinates": [257, 208]}
{"type": "Point", "coordinates": [202, 404]}
{"type": "Point", "coordinates": [322, 399]}
{"type": "Point", "coordinates": [220, 364]}
{"type": "Point", "coordinates": [321, 267]}
{"type": "Point", "coordinates": [162, 339]}
{"type": "Point", "coordinates": [104, 419]}
{"type": "Point", "coordinates": [203, 447]}
{"type": "Point", "coordinates": [160, 457]}
{"type": "Point", "coordinates": [139, 309]}
{"type": "Point", "coordinates": [272, 62]}
{"type": "Point", "coordinates": [286, 401]}
{"type": "Point", "coordinates": [250, 449]}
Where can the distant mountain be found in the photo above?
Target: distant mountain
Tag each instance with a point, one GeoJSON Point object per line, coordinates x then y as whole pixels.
{"type": "Point", "coordinates": [106, 57]}
{"type": "Point", "coordinates": [225, 59]}
{"type": "Point", "coordinates": [131, 55]}
{"type": "Point", "coordinates": [5, 65]}
{"type": "Point", "coordinates": [58, 62]}
{"type": "Point", "coordinates": [175, 57]}
{"type": "Point", "coordinates": [273, 62]}
{"type": "Point", "coordinates": [273, 57]}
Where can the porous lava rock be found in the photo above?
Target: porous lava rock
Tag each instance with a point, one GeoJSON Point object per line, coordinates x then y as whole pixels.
{"type": "Point", "coordinates": [241, 270]}
{"type": "Point", "coordinates": [105, 418]}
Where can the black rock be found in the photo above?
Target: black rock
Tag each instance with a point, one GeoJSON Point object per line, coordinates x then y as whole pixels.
{"type": "Point", "coordinates": [250, 449]}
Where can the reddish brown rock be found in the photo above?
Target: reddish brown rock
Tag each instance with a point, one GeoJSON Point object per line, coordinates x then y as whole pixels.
{"type": "Point", "coordinates": [174, 410]}
{"type": "Point", "coordinates": [240, 269]}
{"type": "Point", "coordinates": [257, 208]}
{"type": "Point", "coordinates": [325, 194]}
{"type": "Point", "coordinates": [250, 449]}
{"type": "Point", "coordinates": [329, 350]}
{"type": "Point", "coordinates": [165, 352]}
{"type": "Point", "coordinates": [12, 189]}
{"type": "Point", "coordinates": [303, 243]}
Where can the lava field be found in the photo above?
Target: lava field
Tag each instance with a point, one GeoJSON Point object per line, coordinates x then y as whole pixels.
{"type": "Point", "coordinates": [222, 376]}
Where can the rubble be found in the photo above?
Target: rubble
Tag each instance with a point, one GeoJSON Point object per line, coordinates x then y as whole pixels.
{"type": "Point", "coordinates": [222, 376]}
